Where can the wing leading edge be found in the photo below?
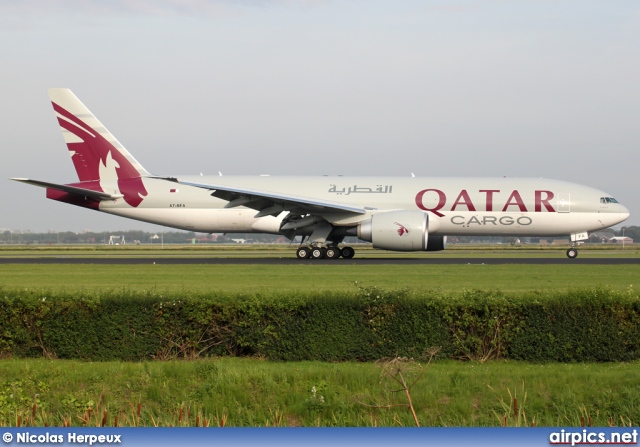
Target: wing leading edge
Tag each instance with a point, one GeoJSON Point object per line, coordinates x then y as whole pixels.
{"type": "Point", "coordinates": [270, 203]}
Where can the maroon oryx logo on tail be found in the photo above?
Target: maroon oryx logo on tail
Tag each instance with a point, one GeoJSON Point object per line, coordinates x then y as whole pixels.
{"type": "Point", "coordinates": [93, 154]}
{"type": "Point", "coordinates": [402, 229]}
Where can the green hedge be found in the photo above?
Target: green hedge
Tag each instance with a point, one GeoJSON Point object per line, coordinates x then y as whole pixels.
{"type": "Point", "coordinates": [367, 324]}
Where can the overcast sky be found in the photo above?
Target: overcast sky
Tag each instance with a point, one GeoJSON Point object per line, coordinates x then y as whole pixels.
{"type": "Point", "coordinates": [440, 88]}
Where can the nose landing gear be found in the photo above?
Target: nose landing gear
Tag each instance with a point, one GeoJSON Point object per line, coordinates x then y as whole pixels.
{"type": "Point", "coordinates": [572, 252]}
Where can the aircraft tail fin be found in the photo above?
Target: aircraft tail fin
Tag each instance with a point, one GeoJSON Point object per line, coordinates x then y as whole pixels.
{"type": "Point", "coordinates": [95, 152]}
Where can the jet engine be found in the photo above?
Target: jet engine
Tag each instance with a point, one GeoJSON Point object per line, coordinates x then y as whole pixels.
{"type": "Point", "coordinates": [401, 231]}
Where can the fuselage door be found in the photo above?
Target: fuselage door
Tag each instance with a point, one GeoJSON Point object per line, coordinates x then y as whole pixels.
{"type": "Point", "coordinates": [564, 202]}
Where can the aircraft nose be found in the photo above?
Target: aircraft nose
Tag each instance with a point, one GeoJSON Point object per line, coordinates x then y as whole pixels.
{"type": "Point", "coordinates": [624, 213]}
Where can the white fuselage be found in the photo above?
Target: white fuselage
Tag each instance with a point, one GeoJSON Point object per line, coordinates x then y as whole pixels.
{"type": "Point", "coordinates": [456, 206]}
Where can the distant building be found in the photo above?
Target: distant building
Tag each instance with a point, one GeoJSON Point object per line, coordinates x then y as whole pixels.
{"type": "Point", "coordinates": [601, 237]}
{"type": "Point", "coordinates": [621, 240]}
{"type": "Point", "coordinates": [206, 238]}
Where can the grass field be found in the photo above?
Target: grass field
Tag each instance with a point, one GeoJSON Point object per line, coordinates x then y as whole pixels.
{"type": "Point", "coordinates": [250, 392]}
{"type": "Point", "coordinates": [288, 251]}
{"type": "Point", "coordinates": [253, 278]}
{"type": "Point", "coordinates": [340, 276]}
{"type": "Point", "coordinates": [253, 392]}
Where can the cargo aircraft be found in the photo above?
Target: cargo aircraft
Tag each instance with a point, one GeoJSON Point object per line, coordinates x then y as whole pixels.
{"type": "Point", "coordinates": [394, 213]}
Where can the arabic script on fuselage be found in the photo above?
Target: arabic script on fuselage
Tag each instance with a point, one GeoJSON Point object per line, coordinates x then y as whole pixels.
{"type": "Point", "coordinates": [355, 189]}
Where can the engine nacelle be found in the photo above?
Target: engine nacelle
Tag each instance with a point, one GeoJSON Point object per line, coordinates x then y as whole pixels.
{"type": "Point", "coordinates": [401, 231]}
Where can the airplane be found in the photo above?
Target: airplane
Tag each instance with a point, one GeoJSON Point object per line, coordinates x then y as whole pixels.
{"type": "Point", "coordinates": [394, 213]}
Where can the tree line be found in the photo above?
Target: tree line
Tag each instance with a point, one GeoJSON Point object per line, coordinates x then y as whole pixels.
{"type": "Point", "coordinates": [189, 237]}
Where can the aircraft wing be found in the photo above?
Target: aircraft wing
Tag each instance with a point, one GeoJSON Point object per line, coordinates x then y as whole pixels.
{"type": "Point", "coordinates": [89, 193]}
{"type": "Point", "coordinates": [269, 203]}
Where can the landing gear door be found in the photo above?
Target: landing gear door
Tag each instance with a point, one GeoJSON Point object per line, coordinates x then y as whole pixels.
{"type": "Point", "coordinates": [579, 237]}
{"type": "Point", "coordinates": [564, 202]}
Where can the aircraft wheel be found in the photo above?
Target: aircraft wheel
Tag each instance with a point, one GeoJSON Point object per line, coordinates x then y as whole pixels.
{"type": "Point", "coordinates": [332, 253]}
{"type": "Point", "coordinates": [303, 253]}
{"type": "Point", "coordinates": [347, 252]}
{"type": "Point", "coordinates": [317, 253]}
{"type": "Point", "coordinates": [572, 253]}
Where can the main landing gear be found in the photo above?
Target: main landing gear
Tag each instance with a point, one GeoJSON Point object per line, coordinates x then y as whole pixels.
{"type": "Point", "coordinates": [330, 252]}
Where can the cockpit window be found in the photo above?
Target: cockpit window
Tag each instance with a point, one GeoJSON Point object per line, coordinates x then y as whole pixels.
{"type": "Point", "coordinates": [608, 200]}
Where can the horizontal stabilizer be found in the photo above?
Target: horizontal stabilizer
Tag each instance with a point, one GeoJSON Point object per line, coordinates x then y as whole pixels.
{"type": "Point", "coordinates": [89, 193]}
